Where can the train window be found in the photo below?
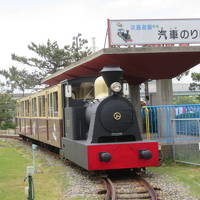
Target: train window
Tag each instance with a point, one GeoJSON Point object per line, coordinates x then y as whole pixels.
{"type": "Point", "coordinates": [41, 101]}
{"type": "Point", "coordinates": [27, 111]}
{"type": "Point", "coordinates": [30, 105]}
{"type": "Point", "coordinates": [17, 110]}
{"type": "Point", "coordinates": [22, 108]}
{"type": "Point", "coordinates": [86, 90]}
{"type": "Point", "coordinates": [49, 105]}
{"type": "Point", "coordinates": [53, 104]}
{"type": "Point", "coordinates": [34, 107]}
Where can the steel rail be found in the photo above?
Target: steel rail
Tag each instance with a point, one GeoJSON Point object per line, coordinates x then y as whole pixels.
{"type": "Point", "coordinates": [148, 187]}
{"type": "Point", "coordinates": [111, 192]}
{"type": "Point", "coordinates": [10, 136]}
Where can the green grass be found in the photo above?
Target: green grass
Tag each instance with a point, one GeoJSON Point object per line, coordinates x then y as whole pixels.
{"type": "Point", "coordinates": [186, 174]}
{"type": "Point", "coordinates": [12, 167]}
{"type": "Point", "coordinates": [50, 182]}
{"type": "Point", "coordinates": [13, 163]}
{"type": "Point", "coordinates": [80, 198]}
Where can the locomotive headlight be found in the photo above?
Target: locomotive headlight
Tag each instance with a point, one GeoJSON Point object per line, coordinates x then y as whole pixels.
{"type": "Point", "coordinates": [116, 87]}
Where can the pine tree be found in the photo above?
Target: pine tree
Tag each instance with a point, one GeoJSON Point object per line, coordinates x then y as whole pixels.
{"type": "Point", "coordinates": [50, 57]}
{"type": "Point", "coordinates": [196, 84]}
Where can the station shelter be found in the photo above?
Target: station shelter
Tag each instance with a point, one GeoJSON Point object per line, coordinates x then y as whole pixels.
{"type": "Point", "coordinates": [139, 64]}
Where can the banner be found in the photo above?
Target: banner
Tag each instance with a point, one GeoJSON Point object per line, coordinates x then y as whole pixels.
{"type": "Point", "coordinates": [158, 31]}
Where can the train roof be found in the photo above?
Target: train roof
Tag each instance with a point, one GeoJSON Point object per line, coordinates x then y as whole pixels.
{"type": "Point", "coordinates": [40, 92]}
{"type": "Point", "coordinates": [139, 64]}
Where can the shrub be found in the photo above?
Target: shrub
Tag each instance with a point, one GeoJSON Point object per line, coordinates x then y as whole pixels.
{"type": "Point", "coordinates": [7, 125]}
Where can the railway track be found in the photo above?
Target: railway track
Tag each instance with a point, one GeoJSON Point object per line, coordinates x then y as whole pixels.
{"type": "Point", "coordinates": [129, 188]}
{"type": "Point", "coordinates": [10, 136]}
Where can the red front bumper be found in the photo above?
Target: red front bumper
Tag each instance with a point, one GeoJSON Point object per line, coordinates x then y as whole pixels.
{"type": "Point", "coordinates": [123, 155]}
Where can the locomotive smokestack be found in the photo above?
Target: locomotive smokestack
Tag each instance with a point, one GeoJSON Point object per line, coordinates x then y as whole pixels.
{"type": "Point", "coordinates": [111, 75]}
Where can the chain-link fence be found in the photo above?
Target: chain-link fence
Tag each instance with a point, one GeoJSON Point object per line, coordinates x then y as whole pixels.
{"type": "Point", "coordinates": [178, 126]}
{"type": "Point", "coordinates": [186, 140]}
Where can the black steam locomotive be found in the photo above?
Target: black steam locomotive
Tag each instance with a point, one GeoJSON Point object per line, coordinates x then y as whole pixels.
{"type": "Point", "coordinates": [103, 133]}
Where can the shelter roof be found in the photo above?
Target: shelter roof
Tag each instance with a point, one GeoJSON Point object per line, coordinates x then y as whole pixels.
{"type": "Point", "coordinates": [139, 64]}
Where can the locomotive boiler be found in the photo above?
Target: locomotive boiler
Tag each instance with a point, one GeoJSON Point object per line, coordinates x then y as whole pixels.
{"type": "Point", "coordinates": [103, 133]}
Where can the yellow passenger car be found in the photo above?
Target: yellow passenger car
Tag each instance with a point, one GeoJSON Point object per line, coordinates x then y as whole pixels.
{"type": "Point", "coordinates": [39, 116]}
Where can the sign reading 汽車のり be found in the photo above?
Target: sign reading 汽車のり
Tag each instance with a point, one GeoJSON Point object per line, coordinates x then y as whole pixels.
{"type": "Point", "coordinates": [169, 31]}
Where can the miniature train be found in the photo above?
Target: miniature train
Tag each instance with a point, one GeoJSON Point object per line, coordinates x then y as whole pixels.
{"type": "Point", "coordinates": [90, 120]}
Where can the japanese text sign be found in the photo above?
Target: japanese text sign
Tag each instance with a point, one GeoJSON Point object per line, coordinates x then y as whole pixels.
{"type": "Point", "coordinates": [161, 31]}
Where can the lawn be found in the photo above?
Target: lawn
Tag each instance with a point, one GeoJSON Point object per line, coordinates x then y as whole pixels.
{"type": "Point", "coordinates": [13, 162]}
{"type": "Point", "coordinates": [50, 181]}
{"type": "Point", "coordinates": [188, 175]}
{"type": "Point", "coordinates": [12, 173]}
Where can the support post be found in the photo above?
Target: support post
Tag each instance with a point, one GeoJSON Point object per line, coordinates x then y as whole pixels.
{"type": "Point", "coordinates": [164, 96]}
{"type": "Point", "coordinates": [164, 92]}
{"type": "Point", "coordinates": [34, 149]}
{"type": "Point", "coordinates": [29, 177]}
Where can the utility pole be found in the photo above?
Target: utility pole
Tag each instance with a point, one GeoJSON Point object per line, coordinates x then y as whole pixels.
{"type": "Point", "coordinates": [146, 91]}
{"type": "Point", "coordinates": [93, 44]}
{"type": "Point", "coordinates": [76, 41]}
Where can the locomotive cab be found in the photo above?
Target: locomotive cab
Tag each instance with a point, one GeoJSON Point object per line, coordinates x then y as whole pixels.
{"type": "Point", "coordinates": [108, 117]}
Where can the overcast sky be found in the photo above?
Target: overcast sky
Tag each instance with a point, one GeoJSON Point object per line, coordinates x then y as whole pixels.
{"type": "Point", "coordinates": [23, 21]}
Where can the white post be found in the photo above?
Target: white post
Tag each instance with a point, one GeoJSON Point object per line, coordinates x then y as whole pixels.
{"type": "Point", "coordinates": [34, 149]}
